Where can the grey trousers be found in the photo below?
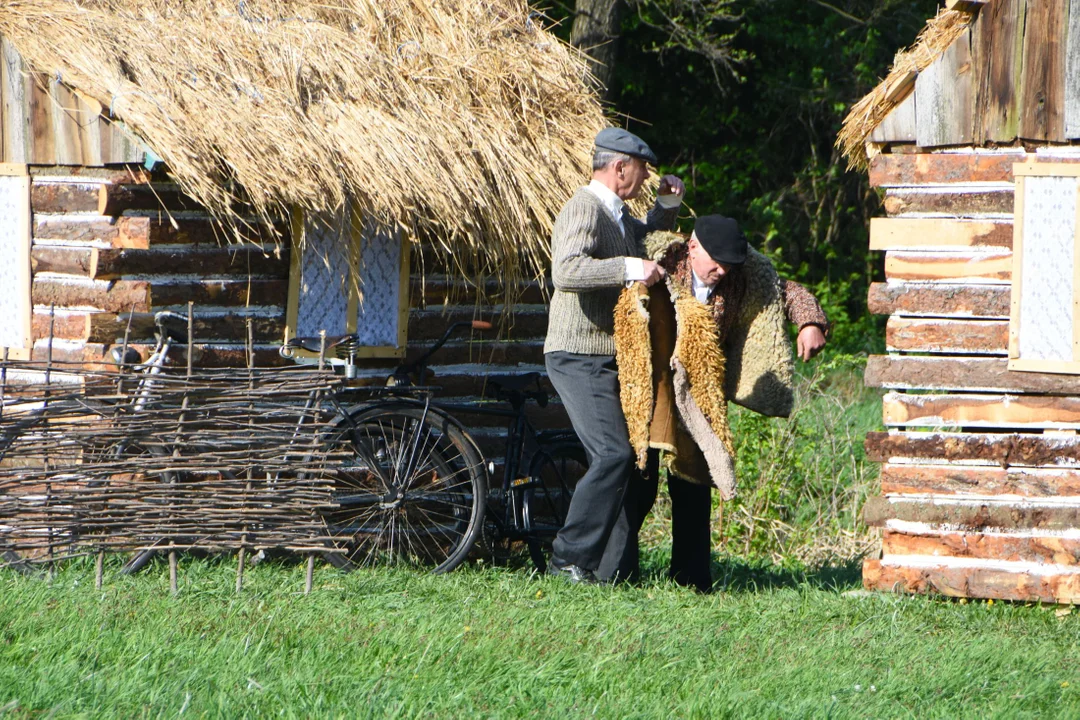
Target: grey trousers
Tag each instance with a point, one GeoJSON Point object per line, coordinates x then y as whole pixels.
{"type": "Point", "coordinates": [589, 388]}
{"type": "Point", "coordinates": [691, 536]}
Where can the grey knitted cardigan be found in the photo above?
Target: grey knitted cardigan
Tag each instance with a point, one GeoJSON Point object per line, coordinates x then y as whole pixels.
{"type": "Point", "coordinates": [588, 270]}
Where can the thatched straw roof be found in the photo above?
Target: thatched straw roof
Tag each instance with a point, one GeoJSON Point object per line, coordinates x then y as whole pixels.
{"type": "Point", "coordinates": [867, 114]}
{"type": "Point", "coordinates": [460, 119]}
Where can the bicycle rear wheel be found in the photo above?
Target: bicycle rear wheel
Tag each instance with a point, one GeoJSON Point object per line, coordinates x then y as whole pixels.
{"type": "Point", "coordinates": [412, 490]}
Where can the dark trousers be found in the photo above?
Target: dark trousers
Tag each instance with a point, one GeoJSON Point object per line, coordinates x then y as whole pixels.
{"type": "Point", "coordinates": [588, 386]}
{"type": "Point", "coordinates": [691, 537]}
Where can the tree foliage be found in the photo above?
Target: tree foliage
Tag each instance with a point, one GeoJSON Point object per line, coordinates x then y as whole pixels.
{"type": "Point", "coordinates": [743, 99]}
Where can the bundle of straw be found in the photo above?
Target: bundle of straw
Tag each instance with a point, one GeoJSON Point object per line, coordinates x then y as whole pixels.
{"type": "Point", "coordinates": [865, 115]}
{"type": "Point", "coordinates": [462, 121]}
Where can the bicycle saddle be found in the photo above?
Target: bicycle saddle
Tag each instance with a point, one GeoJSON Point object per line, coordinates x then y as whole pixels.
{"type": "Point", "coordinates": [341, 345]}
{"type": "Point", "coordinates": [514, 388]}
{"type": "Point", "coordinates": [172, 325]}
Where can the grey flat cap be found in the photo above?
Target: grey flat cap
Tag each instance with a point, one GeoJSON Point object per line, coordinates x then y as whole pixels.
{"type": "Point", "coordinates": [625, 142]}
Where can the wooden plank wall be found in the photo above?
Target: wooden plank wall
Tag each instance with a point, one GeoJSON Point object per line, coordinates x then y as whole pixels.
{"type": "Point", "coordinates": [45, 122]}
{"type": "Point", "coordinates": [979, 480]}
{"type": "Point", "coordinates": [1012, 74]}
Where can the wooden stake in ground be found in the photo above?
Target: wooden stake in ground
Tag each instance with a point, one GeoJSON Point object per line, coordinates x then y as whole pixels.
{"type": "Point", "coordinates": [45, 406]}
{"type": "Point", "coordinates": [309, 576]}
{"type": "Point", "coordinates": [251, 433]}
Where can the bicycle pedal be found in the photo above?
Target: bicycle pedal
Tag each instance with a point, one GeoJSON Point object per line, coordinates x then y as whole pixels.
{"type": "Point", "coordinates": [523, 482]}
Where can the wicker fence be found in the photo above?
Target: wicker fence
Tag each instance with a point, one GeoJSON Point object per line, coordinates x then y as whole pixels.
{"type": "Point", "coordinates": [219, 459]}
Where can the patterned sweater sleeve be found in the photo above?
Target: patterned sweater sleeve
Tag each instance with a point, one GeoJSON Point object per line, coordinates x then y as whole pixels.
{"type": "Point", "coordinates": [802, 307]}
{"type": "Point", "coordinates": [574, 244]}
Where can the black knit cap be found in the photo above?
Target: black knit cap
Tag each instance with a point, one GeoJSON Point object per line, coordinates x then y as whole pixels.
{"type": "Point", "coordinates": [625, 142]}
{"type": "Point", "coordinates": [721, 238]}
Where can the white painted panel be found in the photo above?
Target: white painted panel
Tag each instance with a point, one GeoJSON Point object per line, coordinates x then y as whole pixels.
{"type": "Point", "coordinates": [380, 287]}
{"type": "Point", "coordinates": [1046, 289]}
{"type": "Point", "coordinates": [324, 276]}
{"type": "Point", "coordinates": [15, 303]}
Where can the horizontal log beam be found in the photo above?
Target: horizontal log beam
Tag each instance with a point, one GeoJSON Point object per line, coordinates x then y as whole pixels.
{"type": "Point", "coordinates": [1045, 549]}
{"type": "Point", "coordinates": [140, 295]}
{"type": "Point", "coordinates": [892, 169]}
{"type": "Point", "coordinates": [906, 233]}
{"type": "Point", "coordinates": [142, 232]}
{"type": "Point", "coordinates": [237, 260]}
{"type": "Point", "coordinates": [65, 197]}
{"type": "Point", "coordinates": [992, 411]}
{"type": "Point", "coordinates": [978, 480]}
{"type": "Point", "coordinates": [526, 323]}
{"type": "Point", "coordinates": [132, 174]}
{"type": "Point", "coordinates": [948, 266]}
{"type": "Point", "coordinates": [970, 203]}
{"type": "Point", "coordinates": [935, 335]}
{"type": "Point", "coordinates": [76, 261]}
{"type": "Point", "coordinates": [96, 356]}
{"type": "Point", "coordinates": [974, 373]}
{"type": "Point", "coordinates": [125, 232]}
{"type": "Point", "coordinates": [973, 516]}
{"type": "Point", "coordinates": [63, 325]}
{"type": "Point", "coordinates": [437, 290]}
{"type": "Point", "coordinates": [527, 352]}
{"type": "Point", "coordinates": [1004, 449]}
{"type": "Point", "coordinates": [115, 199]}
{"type": "Point", "coordinates": [939, 299]}
{"type": "Point", "coordinates": [971, 582]}
{"type": "Point", "coordinates": [109, 328]}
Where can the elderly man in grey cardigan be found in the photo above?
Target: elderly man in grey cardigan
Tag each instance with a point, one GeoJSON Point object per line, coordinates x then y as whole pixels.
{"type": "Point", "coordinates": [596, 248]}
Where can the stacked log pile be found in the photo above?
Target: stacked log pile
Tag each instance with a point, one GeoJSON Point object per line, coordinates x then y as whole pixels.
{"type": "Point", "coordinates": [106, 461]}
{"type": "Point", "coordinates": [981, 465]}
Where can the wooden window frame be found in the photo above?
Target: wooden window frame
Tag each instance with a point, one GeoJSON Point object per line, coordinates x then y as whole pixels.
{"type": "Point", "coordinates": [293, 308]}
{"type": "Point", "coordinates": [24, 258]}
{"type": "Point", "coordinates": [1022, 171]}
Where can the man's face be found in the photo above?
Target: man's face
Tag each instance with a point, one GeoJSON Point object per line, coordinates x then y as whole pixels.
{"type": "Point", "coordinates": [708, 270]}
{"type": "Point", "coordinates": [632, 175]}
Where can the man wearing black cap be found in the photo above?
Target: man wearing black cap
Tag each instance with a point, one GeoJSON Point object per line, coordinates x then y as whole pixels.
{"type": "Point", "coordinates": [596, 248]}
{"type": "Point", "coordinates": [748, 304]}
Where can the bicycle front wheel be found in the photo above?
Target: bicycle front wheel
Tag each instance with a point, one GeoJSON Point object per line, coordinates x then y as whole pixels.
{"type": "Point", "coordinates": [411, 490]}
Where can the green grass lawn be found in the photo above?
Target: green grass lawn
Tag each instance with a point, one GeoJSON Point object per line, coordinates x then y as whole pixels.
{"type": "Point", "coordinates": [492, 642]}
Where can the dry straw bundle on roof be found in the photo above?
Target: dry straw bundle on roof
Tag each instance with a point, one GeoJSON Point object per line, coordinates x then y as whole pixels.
{"type": "Point", "coordinates": [461, 120]}
{"type": "Point", "coordinates": [867, 114]}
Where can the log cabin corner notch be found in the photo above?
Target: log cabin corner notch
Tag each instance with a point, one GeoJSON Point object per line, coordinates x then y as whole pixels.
{"type": "Point", "coordinates": [979, 460]}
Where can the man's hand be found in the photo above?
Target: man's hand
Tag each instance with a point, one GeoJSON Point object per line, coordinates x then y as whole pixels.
{"type": "Point", "coordinates": [810, 342]}
{"type": "Point", "coordinates": [654, 274]}
{"type": "Point", "coordinates": [671, 185]}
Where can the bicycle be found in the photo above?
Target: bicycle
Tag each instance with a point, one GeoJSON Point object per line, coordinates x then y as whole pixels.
{"type": "Point", "coordinates": [417, 488]}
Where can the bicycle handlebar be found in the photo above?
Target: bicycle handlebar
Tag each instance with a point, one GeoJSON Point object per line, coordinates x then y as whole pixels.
{"type": "Point", "coordinates": [419, 364]}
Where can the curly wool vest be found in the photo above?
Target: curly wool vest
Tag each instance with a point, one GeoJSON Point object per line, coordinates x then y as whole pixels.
{"type": "Point", "coordinates": [676, 372]}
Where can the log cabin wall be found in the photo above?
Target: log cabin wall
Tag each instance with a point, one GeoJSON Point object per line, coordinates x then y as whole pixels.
{"type": "Point", "coordinates": [980, 476]}
{"type": "Point", "coordinates": [119, 241]}
{"type": "Point", "coordinates": [112, 242]}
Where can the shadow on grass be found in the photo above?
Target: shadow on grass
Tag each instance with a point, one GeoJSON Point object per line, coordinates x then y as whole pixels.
{"type": "Point", "coordinates": [735, 574]}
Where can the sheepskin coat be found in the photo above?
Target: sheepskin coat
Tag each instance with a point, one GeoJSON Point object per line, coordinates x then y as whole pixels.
{"type": "Point", "coordinates": [680, 360]}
